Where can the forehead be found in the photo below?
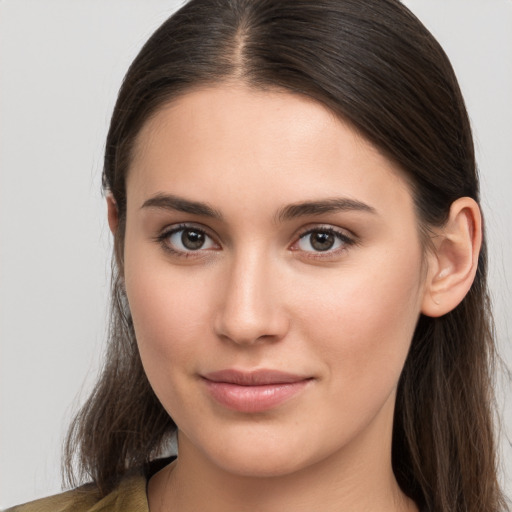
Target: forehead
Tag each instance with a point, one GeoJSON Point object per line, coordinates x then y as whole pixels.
{"type": "Point", "coordinates": [249, 142]}
{"type": "Point", "coordinates": [229, 111]}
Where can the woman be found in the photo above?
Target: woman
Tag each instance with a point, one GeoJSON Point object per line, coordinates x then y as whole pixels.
{"type": "Point", "coordinates": [300, 283]}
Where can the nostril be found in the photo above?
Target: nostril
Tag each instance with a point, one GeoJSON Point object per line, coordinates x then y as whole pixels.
{"type": "Point", "coordinates": [247, 327]}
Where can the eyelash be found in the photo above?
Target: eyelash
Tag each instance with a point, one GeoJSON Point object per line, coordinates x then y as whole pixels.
{"type": "Point", "coordinates": [345, 240]}
{"type": "Point", "coordinates": [164, 236]}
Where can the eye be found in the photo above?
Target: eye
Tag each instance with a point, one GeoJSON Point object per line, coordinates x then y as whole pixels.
{"type": "Point", "coordinates": [318, 240]}
{"type": "Point", "coordinates": [186, 239]}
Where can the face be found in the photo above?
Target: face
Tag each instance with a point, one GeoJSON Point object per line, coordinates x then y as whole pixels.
{"type": "Point", "coordinates": [273, 269]}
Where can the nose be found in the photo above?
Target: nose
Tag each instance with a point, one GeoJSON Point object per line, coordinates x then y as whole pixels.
{"type": "Point", "coordinates": [251, 306]}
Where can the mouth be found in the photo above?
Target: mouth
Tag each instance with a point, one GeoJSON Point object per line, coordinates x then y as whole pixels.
{"type": "Point", "coordinates": [254, 391]}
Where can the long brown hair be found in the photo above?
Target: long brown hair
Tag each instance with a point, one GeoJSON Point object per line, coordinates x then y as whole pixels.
{"type": "Point", "coordinates": [377, 67]}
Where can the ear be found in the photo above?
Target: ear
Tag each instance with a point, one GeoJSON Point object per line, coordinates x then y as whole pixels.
{"type": "Point", "coordinates": [113, 213]}
{"type": "Point", "coordinates": [453, 262]}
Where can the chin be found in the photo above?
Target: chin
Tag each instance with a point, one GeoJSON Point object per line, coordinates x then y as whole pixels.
{"type": "Point", "coordinates": [264, 464]}
{"type": "Point", "coordinates": [267, 456]}
{"type": "Point", "coordinates": [261, 453]}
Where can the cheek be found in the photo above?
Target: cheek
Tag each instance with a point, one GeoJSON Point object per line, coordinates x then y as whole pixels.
{"type": "Point", "coordinates": [169, 318]}
{"type": "Point", "coordinates": [169, 314]}
{"type": "Point", "coordinates": [364, 321]}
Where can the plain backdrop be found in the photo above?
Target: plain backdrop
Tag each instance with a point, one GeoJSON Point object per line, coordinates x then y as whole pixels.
{"type": "Point", "coordinates": [61, 64]}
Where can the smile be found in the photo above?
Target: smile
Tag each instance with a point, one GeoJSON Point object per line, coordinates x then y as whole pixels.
{"type": "Point", "coordinates": [253, 392]}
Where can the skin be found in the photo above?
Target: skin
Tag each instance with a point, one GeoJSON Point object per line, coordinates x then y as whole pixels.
{"type": "Point", "coordinates": [258, 295]}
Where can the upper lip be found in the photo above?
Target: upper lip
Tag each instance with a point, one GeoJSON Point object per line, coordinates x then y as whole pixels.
{"type": "Point", "coordinates": [254, 377]}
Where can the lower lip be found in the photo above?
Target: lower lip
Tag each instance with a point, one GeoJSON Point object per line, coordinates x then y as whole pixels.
{"type": "Point", "coordinates": [253, 398]}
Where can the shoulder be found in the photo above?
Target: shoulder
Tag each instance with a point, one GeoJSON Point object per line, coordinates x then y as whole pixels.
{"type": "Point", "coordinates": [129, 495]}
{"type": "Point", "coordinates": [79, 500]}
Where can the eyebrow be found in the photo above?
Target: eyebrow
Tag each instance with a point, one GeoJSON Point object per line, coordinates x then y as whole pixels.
{"type": "Point", "coordinates": [289, 212]}
{"type": "Point", "coordinates": [333, 205]}
{"type": "Point", "coordinates": [171, 202]}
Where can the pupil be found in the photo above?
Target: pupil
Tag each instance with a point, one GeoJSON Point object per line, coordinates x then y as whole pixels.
{"type": "Point", "coordinates": [322, 241]}
{"type": "Point", "coordinates": [192, 239]}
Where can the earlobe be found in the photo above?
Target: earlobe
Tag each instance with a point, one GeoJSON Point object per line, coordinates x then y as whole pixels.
{"type": "Point", "coordinates": [453, 263]}
{"type": "Point", "coordinates": [113, 213]}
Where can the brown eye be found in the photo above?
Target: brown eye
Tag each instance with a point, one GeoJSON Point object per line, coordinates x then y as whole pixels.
{"type": "Point", "coordinates": [192, 239]}
{"type": "Point", "coordinates": [185, 239]}
{"type": "Point", "coordinates": [322, 241]}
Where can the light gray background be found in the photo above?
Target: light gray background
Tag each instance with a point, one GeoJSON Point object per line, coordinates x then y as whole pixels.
{"type": "Point", "coordinates": [61, 65]}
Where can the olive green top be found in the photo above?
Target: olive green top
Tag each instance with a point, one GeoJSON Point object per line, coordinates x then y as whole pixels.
{"type": "Point", "coordinates": [129, 496]}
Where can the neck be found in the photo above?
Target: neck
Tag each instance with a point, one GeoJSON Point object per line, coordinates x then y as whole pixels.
{"type": "Point", "coordinates": [358, 478]}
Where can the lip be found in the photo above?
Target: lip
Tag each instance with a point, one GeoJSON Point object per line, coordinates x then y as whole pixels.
{"type": "Point", "coordinates": [253, 391]}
